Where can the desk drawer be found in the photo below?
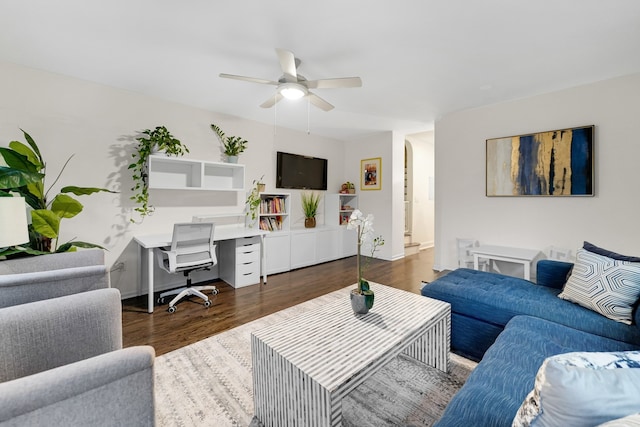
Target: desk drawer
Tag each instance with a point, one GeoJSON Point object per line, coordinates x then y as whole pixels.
{"type": "Point", "coordinates": [247, 241]}
{"type": "Point", "coordinates": [244, 256]}
{"type": "Point", "coordinates": [248, 278]}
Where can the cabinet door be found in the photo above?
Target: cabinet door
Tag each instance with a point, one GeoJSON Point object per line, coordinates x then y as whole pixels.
{"type": "Point", "coordinates": [349, 242]}
{"type": "Point", "coordinates": [303, 248]}
{"type": "Point", "coordinates": [278, 250]}
{"type": "Point", "coordinates": [328, 245]}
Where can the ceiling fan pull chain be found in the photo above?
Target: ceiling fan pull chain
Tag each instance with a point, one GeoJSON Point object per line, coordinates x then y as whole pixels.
{"type": "Point", "coordinates": [275, 115]}
{"type": "Point", "coordinates": [308, 115]}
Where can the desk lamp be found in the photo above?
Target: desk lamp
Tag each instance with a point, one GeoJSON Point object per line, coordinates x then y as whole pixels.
{"type": "Point", "coordinates": [13, 222]}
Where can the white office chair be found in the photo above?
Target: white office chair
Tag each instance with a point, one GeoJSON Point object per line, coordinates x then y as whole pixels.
{"type": "Point", "coordinates": [560, 254]}
{"type": "Point", "coordinates": [191, 249]}
{"type": "Point", "coordinates": [465, 257]}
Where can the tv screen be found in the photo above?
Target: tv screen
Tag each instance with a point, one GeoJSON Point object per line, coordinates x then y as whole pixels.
{"type": "Point", "coordinates": [301, 172]}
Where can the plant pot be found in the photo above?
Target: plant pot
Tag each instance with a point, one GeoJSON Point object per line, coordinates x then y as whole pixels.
{"type": "Point", "coordinates": [232, 159]}
{"type": "Point", "coordinates": [352, 191]}
{"type": "Point", "coordinates": [361, 303]}
{"type": "Point", "coordinates": [310, 222]}
{"type": "Point", "coordinates": [261, 188]}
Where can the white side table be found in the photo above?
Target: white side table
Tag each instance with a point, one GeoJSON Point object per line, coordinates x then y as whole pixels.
{"type": "Point", "coordinates": [508, 254]}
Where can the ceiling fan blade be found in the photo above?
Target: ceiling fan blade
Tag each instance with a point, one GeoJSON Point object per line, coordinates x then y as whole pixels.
{"type": "Point", "coordinates": [248, 79]}
{"type": "Point", "coordinates": [319, 102]}
{"type": "Point", "coordinates": [341, 82]}
{"type": "Point", "coordinates": [288, 64]}
{"type": "Point", "coordinates": [272, 101]}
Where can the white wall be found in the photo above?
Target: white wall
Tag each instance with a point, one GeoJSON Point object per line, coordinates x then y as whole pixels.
{"type": "Point", "coordinates": [609, 219]}
{"type": "Point", "coordinates": [98, 124]}
{"type": "Point", "coordinates": [422, 169]}
{"type": "Point", "coordinates": [385, 204]}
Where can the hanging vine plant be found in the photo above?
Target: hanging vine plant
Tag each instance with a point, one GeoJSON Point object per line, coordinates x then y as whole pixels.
{"type": "Point", "coordinates": [149, 142]}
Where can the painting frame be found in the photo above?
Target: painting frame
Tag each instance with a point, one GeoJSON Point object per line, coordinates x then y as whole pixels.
{"type": "Point", "coordinates": [371, 174]}
{"type": "Point", "coordinates": [556, 163]}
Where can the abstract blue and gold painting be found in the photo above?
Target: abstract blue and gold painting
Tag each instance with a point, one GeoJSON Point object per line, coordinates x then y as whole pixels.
{"type": "Point", "coordinates": [553, 163]}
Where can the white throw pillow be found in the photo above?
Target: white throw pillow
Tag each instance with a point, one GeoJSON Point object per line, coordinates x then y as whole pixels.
{"type": "Point", "coordinates": [582, 389]}
{"type": "Point", "coordinates": [630, 421]}
{"type": "Point", "coordinates": [605, 285]}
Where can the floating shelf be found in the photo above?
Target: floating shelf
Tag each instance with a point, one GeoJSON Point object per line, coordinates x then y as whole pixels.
{"type": "Point", "coordinates": [171, 173]}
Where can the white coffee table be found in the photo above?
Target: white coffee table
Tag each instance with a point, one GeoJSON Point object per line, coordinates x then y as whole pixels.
{"type": "Point", "coordinates": [304, 367]}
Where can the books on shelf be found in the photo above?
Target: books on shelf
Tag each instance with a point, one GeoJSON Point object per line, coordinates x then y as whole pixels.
{"type": "Point", "coordinates": [271, 205]}
{"type": "Point", "coordinates": [271, 223]}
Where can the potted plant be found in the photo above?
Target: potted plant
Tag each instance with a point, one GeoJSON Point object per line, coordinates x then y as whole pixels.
{"type": "Point", "coordinates": [253, 200]}
{"type": "Point", "coordinates": [149, 142]}
{"type": "Point", "coordinates": [362, 297]}
{"type": "Point", "coordinates": [25, 175]}
{"type": "Point", "coordinates": [232, 145]}
{"type": "Point", "coordinates": [310, 203]}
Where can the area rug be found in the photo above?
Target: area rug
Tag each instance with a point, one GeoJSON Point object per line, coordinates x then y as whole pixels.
{"type": "Point", "coordinates": [209, 383]}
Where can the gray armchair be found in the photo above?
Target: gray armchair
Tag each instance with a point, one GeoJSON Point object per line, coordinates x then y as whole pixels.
{"type": "Point", "coordinates": [62, 363]}
{"type": "Point", "coordinates": [49, 276]}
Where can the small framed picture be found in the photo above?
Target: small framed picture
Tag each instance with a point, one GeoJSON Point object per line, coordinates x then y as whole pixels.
{"type": "Point", "coordinates": [371, 174]}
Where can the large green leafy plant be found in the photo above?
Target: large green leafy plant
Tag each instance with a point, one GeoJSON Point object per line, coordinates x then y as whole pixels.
{"type": "Point", "coordinates": [24, 174]}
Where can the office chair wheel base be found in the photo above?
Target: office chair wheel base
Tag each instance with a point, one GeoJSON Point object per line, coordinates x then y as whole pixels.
{"type": "Point", "coordinates": [215, 292]}
{"type": "Point", "coordinates": [172, 309]}
{"type": "Point", "coordinates": [161, 301]}
{"type": "Point", "coordinates": [207, 303]}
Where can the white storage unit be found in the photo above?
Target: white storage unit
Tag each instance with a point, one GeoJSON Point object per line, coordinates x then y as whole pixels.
{"type": "Point", "coordinates": [278, 250]}
{"type": "Point", "coordinates": [240, 261]}
{"type": "Point", "coordinates": [338, 208]}
{"type": "Point", "coordinates": [176, 173]}
{"type": "Point", "coordinates": [303, 247]}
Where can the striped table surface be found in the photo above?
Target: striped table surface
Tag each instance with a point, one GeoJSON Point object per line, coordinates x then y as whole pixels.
{"type": "Point", "coordinates": [335, 349]}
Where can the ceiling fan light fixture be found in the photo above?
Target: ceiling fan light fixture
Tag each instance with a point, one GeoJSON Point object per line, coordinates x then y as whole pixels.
{"type": "Point", "coordinates": [292, 90]}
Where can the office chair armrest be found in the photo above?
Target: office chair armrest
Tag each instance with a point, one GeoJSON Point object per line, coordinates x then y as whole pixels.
{"type": "Point", "coordinates": [42, 335]}
{"type": "Point", "coordinates": [115, 388]}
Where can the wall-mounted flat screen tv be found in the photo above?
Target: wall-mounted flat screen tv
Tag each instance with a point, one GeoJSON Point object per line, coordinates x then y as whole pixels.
{"type": "Point", "coordinates": [301, 172]}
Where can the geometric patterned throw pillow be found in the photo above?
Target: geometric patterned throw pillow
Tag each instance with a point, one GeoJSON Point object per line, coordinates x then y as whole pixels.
{"type": "Point", "coordinates": [605, 285]}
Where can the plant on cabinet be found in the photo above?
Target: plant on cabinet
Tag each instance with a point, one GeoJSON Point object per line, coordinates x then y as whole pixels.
{"type": "Point", "coordinates": [253, 200]}
{"type": "Point", "coordinates": [310, 203]}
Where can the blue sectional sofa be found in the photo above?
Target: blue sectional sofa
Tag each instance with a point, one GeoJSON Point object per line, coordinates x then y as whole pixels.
{"type": "Point", "coordinates": [512, 326]}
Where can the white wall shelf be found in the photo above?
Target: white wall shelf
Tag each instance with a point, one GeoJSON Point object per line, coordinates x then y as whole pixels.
{"type": "Point", "coordinates": [172, 173]}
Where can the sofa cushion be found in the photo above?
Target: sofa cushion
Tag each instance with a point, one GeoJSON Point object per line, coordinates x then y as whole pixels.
{"type": "Point", "coordinates": [605, 285]}
{"type": "Point", "coordinates": [495, 389]}
{"type": "Point", "coordinates": [583, 388]}
{"type": "Point", "coordinates": [552, 273]}
{"type": "Point", "coordinates": [632, 420]}
{"type": "Point", "coordinates": [605, 252]}
{"type": "Point", "coordinates": [495, 299]}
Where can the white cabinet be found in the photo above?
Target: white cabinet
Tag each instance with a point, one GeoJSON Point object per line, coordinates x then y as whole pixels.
{"type": "Point", "coordinates": [338, 208]}
{"type": "Point", "coordinates": [303, 247]}
{"type": "Point", "coordinates": [328, 244]}
{"type": "Point", "coordinates": [348, 242]}
{"type": "Point", "coordinates": [240, 261]}
{"type": "Point", "coordinates": [174, 173]}
{"type": "Point", "coordinates": [278, 251]}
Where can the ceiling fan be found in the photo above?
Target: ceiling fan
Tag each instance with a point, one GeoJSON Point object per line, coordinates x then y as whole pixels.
{"type": "Point", "coordinates": [292, 85]}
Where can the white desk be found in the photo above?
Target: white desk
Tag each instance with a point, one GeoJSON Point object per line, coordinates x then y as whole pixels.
{"type": "Point", "coordinates": [505, 253]}
{"type": "Point", "coordinates": [150, 241]}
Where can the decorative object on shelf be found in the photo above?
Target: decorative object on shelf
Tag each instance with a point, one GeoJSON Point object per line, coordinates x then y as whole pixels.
{"type": "Point", "coordinates": [25, 175]}
{"type": "Point", "coordinates": [310, 203]}
{"type": "Point", "coordinates": [371, 174]}
{"type": "Point", "coordinates": [362, 297]}
{"type": "Point", "coordinates": [149, 142]}
{"type": "Point", "coordinates": [348, 188]}
{"type": "Point", "coordinates": [233, 145]}
{"type": "Point", "coordinates": [553, 163]}
{"type": "Point", "coordinates": [253, 200]}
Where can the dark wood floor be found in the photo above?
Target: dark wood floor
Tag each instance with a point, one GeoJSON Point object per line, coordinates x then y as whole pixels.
{"type": "Point", "coordinates": [233, 307]}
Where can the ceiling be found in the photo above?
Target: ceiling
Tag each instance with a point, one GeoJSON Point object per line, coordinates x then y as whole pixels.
{"type": "Point", "coordinates": [418, 59]}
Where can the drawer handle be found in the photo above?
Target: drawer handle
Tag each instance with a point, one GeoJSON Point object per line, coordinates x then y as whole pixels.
{"type": "Point", "coordinates": [247, 274]}
{"type": "Point", "coordinates": [247, 263]}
